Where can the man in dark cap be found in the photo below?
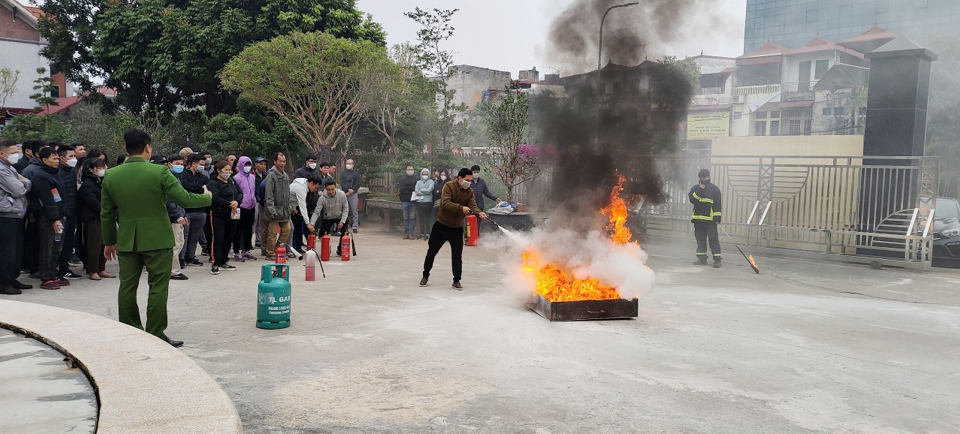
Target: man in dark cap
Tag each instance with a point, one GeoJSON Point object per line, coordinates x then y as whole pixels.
{"type": "Point", "coordinates": [705, 198]}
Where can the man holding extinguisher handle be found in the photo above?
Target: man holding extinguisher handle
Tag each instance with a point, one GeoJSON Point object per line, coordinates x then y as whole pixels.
{"type": "Point", "coordinates": [457, 200]}
{"type": "Point", "coordinates": [333, 211]}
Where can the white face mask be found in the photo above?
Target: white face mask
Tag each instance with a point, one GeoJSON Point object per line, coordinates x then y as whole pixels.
{"type": "Point", "coordinates": [312, 166]}
{"type": "Point", "coordinates": [246, 169]}
{"type": "Point", "coordinates": [425, 177]}
{"type": "Point", "coordinates": [209, 161]}
{"type": "Point", "coordinates": [465, 184]}
{"type": "Point", "coordinates": [349, 167]}
{"type": "Point", "coordinates": [15, 158]}
{"type": "Point", "coordinates": [443, 177]}
{"type": "Point", "coordinates": [101, 173]}
{"type": "Point", "coordinates": [409, 173]}
{"type": "Point", "coordinates": [72, 162]}
{"type": "Point", "coordinates": [476, 175]}
{"type": "Point", "coordinates": [225, 175]}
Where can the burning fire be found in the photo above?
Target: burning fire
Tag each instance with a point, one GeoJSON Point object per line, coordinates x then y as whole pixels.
{"type": "Point", "coordinates": [555, 283]}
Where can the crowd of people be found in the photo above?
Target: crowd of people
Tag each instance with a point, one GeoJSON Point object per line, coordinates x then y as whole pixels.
{"type": "Point", "coordinates": [420, 198]}
{"type": "Point", "coordinates": [50, 210]}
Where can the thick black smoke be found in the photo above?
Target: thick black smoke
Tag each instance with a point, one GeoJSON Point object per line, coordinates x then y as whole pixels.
{"type": "Point", "coordinates": [615, 120]}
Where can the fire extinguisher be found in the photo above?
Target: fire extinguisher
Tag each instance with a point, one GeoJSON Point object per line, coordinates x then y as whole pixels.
{"type": "Point", "coordinates": [312, 241]}
{"type": "Point", "coordinates": [325, 247]}
{"type": "Point", "coordinates": [345, 247]}
{"type": "Point", "coordinates": [473, 235]}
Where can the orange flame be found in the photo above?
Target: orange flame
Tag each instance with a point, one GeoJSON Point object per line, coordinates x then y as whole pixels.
{"type": "Point", "coordinates": [754, 263]}
{"type": "Point", "coordinates": [557, 284]}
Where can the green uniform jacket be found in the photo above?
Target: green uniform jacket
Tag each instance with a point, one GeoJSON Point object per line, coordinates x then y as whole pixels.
{"type": "Point", "coordinates": [134, 202]}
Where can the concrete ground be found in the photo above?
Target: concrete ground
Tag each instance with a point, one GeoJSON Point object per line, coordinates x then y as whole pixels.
{"type": "Point", "coordinates": [39, 392]}
{"type": "Point", "coordinates": [805, 347]}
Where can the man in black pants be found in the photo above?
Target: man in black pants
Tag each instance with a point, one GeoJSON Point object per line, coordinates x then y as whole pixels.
{"type": "Point", "coordinates": [456, 201]}
{"type": "Point", "coordinates": [706, 199]}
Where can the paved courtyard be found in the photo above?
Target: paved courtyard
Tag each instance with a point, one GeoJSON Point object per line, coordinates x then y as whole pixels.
{"type": "Point", "coordinates": [805, 347]}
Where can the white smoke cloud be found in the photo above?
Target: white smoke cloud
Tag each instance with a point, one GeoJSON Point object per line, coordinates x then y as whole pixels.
{"type": "Point", "coordinates": [584, 256]}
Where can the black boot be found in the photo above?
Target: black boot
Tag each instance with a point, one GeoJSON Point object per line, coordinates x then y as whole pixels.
{"type": "Point", "coordinates": [716, 263]}
{"type": "Point", "coordinates": [701, 261]}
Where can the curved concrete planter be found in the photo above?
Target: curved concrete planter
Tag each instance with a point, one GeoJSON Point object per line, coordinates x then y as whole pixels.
{"type": "Point", "coordinates": [143, 384]}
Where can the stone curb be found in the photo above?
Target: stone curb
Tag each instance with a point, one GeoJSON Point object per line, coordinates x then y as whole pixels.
{"type": "Point", "coordinates": [143, 384]}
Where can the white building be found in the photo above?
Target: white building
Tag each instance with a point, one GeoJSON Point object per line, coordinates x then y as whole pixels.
{"type": "Point", "coordinates": [20, 45]}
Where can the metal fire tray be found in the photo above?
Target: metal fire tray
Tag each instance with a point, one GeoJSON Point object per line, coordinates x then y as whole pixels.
{"type": "Point", "coordinates": [584, 310]}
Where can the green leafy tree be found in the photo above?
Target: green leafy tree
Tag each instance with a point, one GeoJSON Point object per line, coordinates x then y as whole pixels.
{"type": "Point", "coordinates": [438, 63]}
{"type": "Point", "coordinates": [514, 160]}
{"type": "Point", "coordinates": [90, 125]}
{"type": "Point", "coordinates": [404, 100]}
{"type": "Point", "coordinates": [318, 84]}
{"type": "Point", "coordinates": [43, 86]}
{"type": "Point", "coordinates": [30, 127]}
{"type": "Point", "coordinates": [226, 134]}
{"type": "Point", "coordinates": [164, 55]}
{"type": "Point", "coordinates": [8, 84]}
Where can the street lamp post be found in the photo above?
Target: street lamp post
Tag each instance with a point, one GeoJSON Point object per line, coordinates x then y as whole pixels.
{"type": "Point", "coordinates": [600, 49]}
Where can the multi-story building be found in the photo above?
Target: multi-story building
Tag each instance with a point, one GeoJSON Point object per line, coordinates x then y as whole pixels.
{"type": "Point", "coordinates": [794, 23]}
{"type": "Point", "coordinates": [20, 45]}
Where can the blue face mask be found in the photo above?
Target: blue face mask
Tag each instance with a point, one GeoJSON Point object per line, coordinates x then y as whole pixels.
{"type": "Point", "coordinates": [177, 170]}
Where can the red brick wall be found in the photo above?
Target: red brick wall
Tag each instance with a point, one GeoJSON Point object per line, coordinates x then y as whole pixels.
{"type": "Point", "coordinates": [16, 29]}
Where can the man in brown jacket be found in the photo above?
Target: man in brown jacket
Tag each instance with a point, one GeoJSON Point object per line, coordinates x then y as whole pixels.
{"type": "Point", "coordinates": [456, 201]}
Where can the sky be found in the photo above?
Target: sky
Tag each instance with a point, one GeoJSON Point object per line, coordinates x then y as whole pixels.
{"type": "Point", "coordinates": [511, 35]}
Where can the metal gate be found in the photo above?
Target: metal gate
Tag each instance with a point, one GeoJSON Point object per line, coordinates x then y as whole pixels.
{"type": "Point", "coordinates": [856, 209]}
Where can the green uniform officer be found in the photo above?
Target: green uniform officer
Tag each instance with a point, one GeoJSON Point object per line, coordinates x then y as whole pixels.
{"type": "Point", "coordinates": [137, 231]}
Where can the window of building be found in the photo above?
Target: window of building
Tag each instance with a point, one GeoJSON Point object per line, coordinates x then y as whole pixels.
{"type": "Point", "coordinates": [794, 127]}
{"type": "Point", "coordinates": [761, 115]}
{"type": "Point", "coordinates": [839, 111]}
{"type": "Point", "coordinates": [822, 67]}
{"type": "Point", "coordinates": [775, 128]}
{"type": "Point", "coordinates": [55, 91]}
{"type": "Point", "coordinates": [760, 128]}
{"type": "Point", "coordinates": [812, 16]}
{"type": "Point", "coordinates": [54, 69]}
{"type": "Point", "coordinates": [775, 114]}
{"type": "Point", "coordinates": [827, 111]}
{"type": "Point", "coordinates": [808, 126]}
{"type": "Point", "coordinates": [738, 115]}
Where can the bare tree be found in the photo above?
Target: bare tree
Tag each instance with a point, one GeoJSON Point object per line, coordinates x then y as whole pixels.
{"type": "Point", "coordinates": [8, 84]}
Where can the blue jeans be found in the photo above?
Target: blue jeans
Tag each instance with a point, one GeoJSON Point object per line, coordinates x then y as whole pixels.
{"type": "Point", "coordinates": [409, 216]}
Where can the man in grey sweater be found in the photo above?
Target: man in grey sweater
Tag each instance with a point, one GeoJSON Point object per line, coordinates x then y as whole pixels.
{"type": "Point", "coordinates": [332, 211]}
{"type": "Point", "coordinates": [13, 206]}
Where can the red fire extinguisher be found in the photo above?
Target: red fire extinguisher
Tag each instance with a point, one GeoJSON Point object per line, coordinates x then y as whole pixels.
{"type": "Point", "coordinates": [325, 247]}
{"type": "Point", "coordinates": [473, 235]}
{"type": "Point", "coordinates": [312, 241]}
{"type": "Point", "coordinates": [345, 247]}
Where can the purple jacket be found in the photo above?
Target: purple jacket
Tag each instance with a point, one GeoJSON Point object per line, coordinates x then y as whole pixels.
{"type": "Point", "coordinates": [247, 183]}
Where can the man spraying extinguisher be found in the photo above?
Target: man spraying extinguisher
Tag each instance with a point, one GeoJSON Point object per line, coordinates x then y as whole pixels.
{"type": "Point", "coordinates": [332, 211]}
{"type": "Point", "coordinates": [456, 201]}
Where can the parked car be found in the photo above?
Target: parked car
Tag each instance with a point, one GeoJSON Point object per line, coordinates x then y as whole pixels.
{"type": "Point", "coordinates": [946, 233]}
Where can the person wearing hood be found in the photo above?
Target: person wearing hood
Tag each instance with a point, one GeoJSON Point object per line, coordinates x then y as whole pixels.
{"type": "Point", "coordinates": [300, 188]}
{"type": "Point", "coordinates": [705, 198]}
{"type": "Point", "coordinates": [13, 206]}
{"type": "Point", "coordinates": [88, 217]}
{"type": "Point", "coordinates": [424, 192]}
{"type": "Point", "coordinates": [408, 185]}
{"type": "Point", "coordinates": [246, 179]}
{"type": "Point", "coordinates": [49, 208]}
{"type": "Point", "coordinates": [68, 178]}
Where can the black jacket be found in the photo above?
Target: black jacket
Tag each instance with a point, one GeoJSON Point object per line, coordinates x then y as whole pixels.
{"type": "Point", "coordinates": [88, 209]}
{"type": "Point", "coordinates": [194, 182]}
{"type": "Point", "coordinates": [407, 185]}
{"type": "Point", "coordinates": [223, 194]}
{"type": "Point", "coordinates": [304, 172]}
{"type": "Point", "coordinates": [350, 180]}
{"type": "Point", "coordinates": [22, 164]}
{"type": "Point", "coordinates": [174, 211]}
{"type": "Point", "coordinates": [32, 168]}
{"type": "Point", "coordinates": [45, 192]}
{"type": "Point", "coordinates": [68, 178]}
{"type": "Point", "coordinates": [706, 203]}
